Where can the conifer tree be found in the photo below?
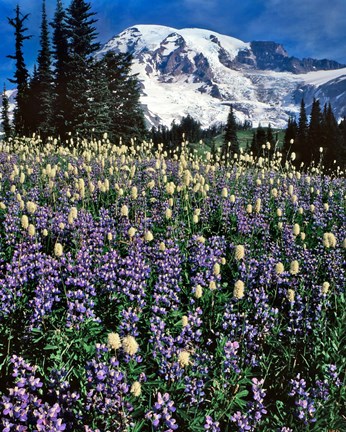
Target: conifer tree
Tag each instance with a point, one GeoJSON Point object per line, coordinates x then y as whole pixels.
{"type": "Point", "coordinates": [314, 134]}
{"type": "Point", "coordinates": [290, 137]}
{"type": "Point", "coordinates": [301, 145]}
{"type": "Point", "coordinates": [100, 112]}
{"type": "Point", "coordinates": [44, 81]}
{"type": "Point", "coordinates": [6, 125]}
{"type": "Point", "coordinates": [231, 143]}
{"type": "Point", "coordinates": [258, 140]}
{"type": "Point", "coordinates": [21, 74]}
{"type": "Point", "coordinates": [82, 46]}
{"type": "Point", "coordinates": [331, 138]}
{"type": "Point", "coordinates": [127, 119]}
{"type": "Point", "coordinates": [341, 159]}
{"type": "Point", "coordinates": [34, 97]}
{"type": "Point", "coordinates": [60, 61]}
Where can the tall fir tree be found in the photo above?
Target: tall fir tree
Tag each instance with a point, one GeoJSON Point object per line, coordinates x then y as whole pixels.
{"type": "Point", "coordinates": [34, 97]}
{"type": "Point", "coordinates": [258, 140]}
{"type": "Point", "coordinates": [270, 139]}
{"type": "Point", "coordinates": [127, 119]}
{"type": "Point", "coordinates": [100, 113]}
{"type": "Point", "coordinates": [341, 161]}
{"type": "Point", "coordinates": [6, 125]}
{"type": "Point", "coordinates": [331, 137]}
{"type": "Point", "coordinates": [230, 143]}
{"type": "Point", "coordinates": [60, 62]}
{"type": "Point", "coordinates": [82, 46]}
{"type": "Point", "coordinates": [21, 75]}
{"type": "Point", "coordinates": [314, 134]}
{"type": "Point", "coordinates": [45, 81]}
{"type": "Point", "coordinates": [290, 137]}
{"type": "Point", "coordinates": [301, 146]}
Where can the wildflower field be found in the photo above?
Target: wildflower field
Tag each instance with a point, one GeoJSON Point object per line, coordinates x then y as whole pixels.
{"type": "Point", "coordinates": [141, 292]}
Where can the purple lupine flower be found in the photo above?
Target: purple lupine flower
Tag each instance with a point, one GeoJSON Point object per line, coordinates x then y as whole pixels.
{"type": "Point", "coordinates": [211, 425]}
{"type": "Point", "coordinates": [161, 416]}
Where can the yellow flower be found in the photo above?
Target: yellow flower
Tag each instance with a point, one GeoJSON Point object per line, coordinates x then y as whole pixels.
{"type": "Point", "coordinates": [238, 291]}
{"type": "Point", "coordinates": [279, 268]}
{"type": "Point", "coordinates": [124, 210]}
{"type": "Point", "coordinates": [290, 295]}
{"type": "Point", "coordinates": [296, 229]}
{"type": "Point", "coordinates": [114, 341]}
{"type": "Point", "coordinates": [258, 205]}
{"type": "Point", "coordinates": [198, 291]}
{"type": "Point", "coordinates": [31, 230]}
{"type": "Point", "coordinates": [249, 208]}
{"type": "Point", "coordinates": [131, 232]}
{"type": "Point", "coordinates": [130, 345]}
{"type": "Point", "coordinates": [329, 240]}
{"type": "Point", "coordinates": [148, 236]}
{"type": "Point", "coordinates": [184, 358]}
{"type": "Point", "coordinates": [212, 285]}
{"type": "Point", "coordinates": [31, 207]}
{"type": "Point", "coordinates": [224, 193]}
{"type": "Point", "coordinates": [184, 321]}
{"type": "Point", "coordinates": [25, 221]}
{"type": "Point", "coordinates": [136, 389]}
{"type": "Point", "coordinates": [239, 252]}
{"type": "Point", "coordinates": [134, 192]}
{"type": "Point", "coordinates": [58, 250]}
{"type": "Point", "coordinates": [294, 267]}
{"type": "Point", "coordinates": [325, 287]}
{"type": "Point", "coordinates": [216, 269]}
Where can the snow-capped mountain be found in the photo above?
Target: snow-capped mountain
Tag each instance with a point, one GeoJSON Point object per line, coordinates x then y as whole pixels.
{"type": "Point", "coordinates": [201, 72]}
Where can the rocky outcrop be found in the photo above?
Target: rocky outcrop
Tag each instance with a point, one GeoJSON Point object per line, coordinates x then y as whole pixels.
{"type": "Point", "coordinates": [273, 56]}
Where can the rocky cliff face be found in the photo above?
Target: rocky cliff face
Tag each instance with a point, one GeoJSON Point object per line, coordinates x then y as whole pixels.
{"type": "Point", "coordinates": [273, 56]}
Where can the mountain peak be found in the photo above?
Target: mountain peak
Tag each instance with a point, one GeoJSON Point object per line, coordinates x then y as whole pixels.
{"type": "Point", "coordinates": [201, 72]}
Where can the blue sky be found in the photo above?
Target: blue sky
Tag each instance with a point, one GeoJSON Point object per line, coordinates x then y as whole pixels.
{"type": "Point", "coordinates": [307, 28]}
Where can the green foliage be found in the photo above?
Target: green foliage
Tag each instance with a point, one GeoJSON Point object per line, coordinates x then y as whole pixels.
{"type": "Point", "coordinates": [6, 126]}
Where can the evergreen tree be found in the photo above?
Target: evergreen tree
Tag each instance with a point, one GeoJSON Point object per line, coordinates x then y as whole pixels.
{"type": "Point", "coordinates": [44, 81]}
{"type": "Point", "coordinates": [341, 160]}
{"type": "Point", "coordinates": [230, 143]}
{"type": "Point", "coordinates": [61, 61]}
{"type": "Point", "coordinates": [269, 135]}
{"type": "Point", "coordinates": [126, 115]}
{"type": "Point", "coordinates": [34, 97]}
{"type": "Point", "coordinates": [314, 134]}
{"type": "Point", "coordinates": [290, 137]}
{"type": "Point", "coordinates": [258, 140]}
{"type": "Point", "coordinates": [6, 125]}
{"type": "Point", "coordinates": [100, 114]}
{"type": "Point", "coordinates": [300, 145]}
{"type": "Point", "coordinates": [270, 140]}
{"type": "Point", "coordinates": [21, 74]}
{"type": "Point", "coordinates": [81, 37]}
{"type": "Point", "coordinates": [331, 139]}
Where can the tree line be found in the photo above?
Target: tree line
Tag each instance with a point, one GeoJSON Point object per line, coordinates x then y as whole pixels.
{"type": "Point", "coordinates": [71, 90]}
{"type": "Point", "coordinates": [319, 139]}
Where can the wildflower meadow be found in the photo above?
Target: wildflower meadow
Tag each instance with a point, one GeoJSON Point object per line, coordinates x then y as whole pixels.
{"type": "Point", "coordinates": [142, 291]}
